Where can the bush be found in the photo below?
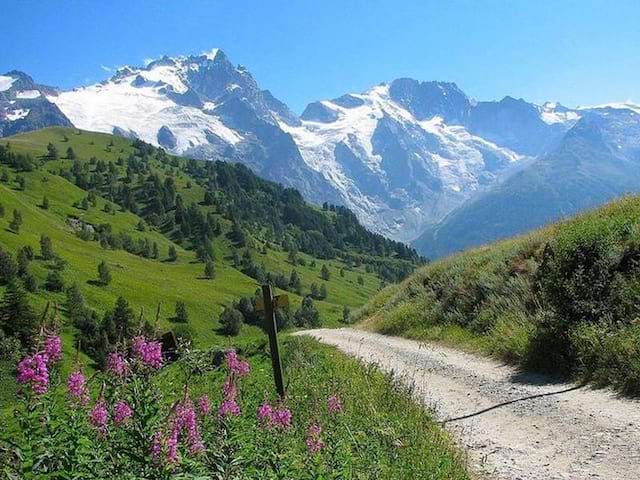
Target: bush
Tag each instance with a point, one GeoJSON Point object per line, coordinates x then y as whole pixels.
{"type": "Point", "coordinates": [231, 321]}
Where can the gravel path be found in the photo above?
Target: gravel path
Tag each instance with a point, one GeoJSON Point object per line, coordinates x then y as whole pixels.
{"type": "Point", "coordinates": [514, 425]}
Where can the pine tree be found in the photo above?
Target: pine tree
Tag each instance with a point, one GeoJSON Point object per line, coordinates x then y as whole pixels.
{"type": "Point", "coordinates": [54, 281]}
{"type": "Point", "coordinates": [52, 151]}
{"type": "Point", "coordinates": [71, 155]}
{"type": "Point", "coordinates": [16, 221]}
{"type": "Point", "coordinates": [1, 210]}
{"type": "Point", "coordinates": [45, 203]}
{"type": "Point", "coordinates": [104, 275]}
{"type": "Point", "coordinates": [123, 319]}
{"type": "Point", "coordinates": [209, 270]}
{"type": "Point", "coordinates": [17, 318]}
{"type": "Point", "coordinates": [22, 183]}
{"type": "Point", "coordinates": [314, 290]}
{"type": "Point", "coordinates": [23, 261]}
{"type": "Point", "coordinates": [46, 248]}
{"type": "Point", "coordinates": [181, 314]}
{"type": "Point", "coordinates": [295, 284]}
{"type": "Point", "coordinates": [324, 273]}
{"type": "Point", "coordinates": [360, 280]}
{"type": "Point", "coordinates": [173, 254]}
{"type": "Point", "coordinates": [8, 267]}
{"type": "Point", "coordinates": [322, 294]}
{"type": "Point", "coordinates": [154, 252]}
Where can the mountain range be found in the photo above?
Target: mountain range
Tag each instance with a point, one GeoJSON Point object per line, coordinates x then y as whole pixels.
{"type": "Point", "coordinates": [416, 161]}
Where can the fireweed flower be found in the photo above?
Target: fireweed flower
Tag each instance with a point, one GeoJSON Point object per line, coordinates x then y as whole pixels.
{"type": "Point", "coordinates": [204, 405]}
{"type": "Point", "coordinates": [265, 413]}
{"type": "Point", "coordinates": [229, 390]}
{"type": "Point", "coordinates": [184, 423]}
{"type": "Point", "coordinates": [121, 412]}
{"type": "Point", "coordinates": [147, 351]}
{"type": "Point", "coordinates": [53, 348]}
{"type": "Point", "coordinates": [235, 365]}
{"type": "Point", "coordinates": [281, 418]}
{"type": "Point", "coordinates": [117, 365]}
{"type": "Point", "coordinates": [334, 404]}
{"type": "Point", "coordinates": [33, 369]}
{"type": "Point", "coordinates": [156, 446]}
{"type": "Point", "coordinates": [229, 408]}
{"type": "Point", "coordinates": [99, 415]}
{"type": "Point", "coordinates": [313, 441]}
{"type": "Point", "coordinates": [77, 387]}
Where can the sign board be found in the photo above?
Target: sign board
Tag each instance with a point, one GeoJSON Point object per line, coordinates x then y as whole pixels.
{"type": "Point", "coordinates": [279, 301]}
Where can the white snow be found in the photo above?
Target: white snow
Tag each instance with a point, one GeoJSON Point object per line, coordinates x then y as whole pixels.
{"type": "Point", "coordinates": [143, 110]}
{"type": "Point", "coordinates": [211, 54]}
{"type": "Point", "coordinates": [634, 107]}
{"type": "Point", "coordinates": [17, 114]}
{"type": "Point", "coordinates": [6, 82]}
{"type": "Point", "coordinates": [30, 94]}
{"type": "Point", "coordinates": [452, 151]}
{"type": "Point", "coordinates": [166, 74]}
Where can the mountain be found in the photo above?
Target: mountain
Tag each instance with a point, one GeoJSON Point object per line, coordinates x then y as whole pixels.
{"type": "Point", "coordinates": [24, 105]}
{"type": "Point", "coordinates": [198, 106]}
{"type": "Point", "coordinates": [596, 161]}
{"type": "Point", "coordinates": [394, 158]}
{"type": "Point", "coordinates": [409, 158]}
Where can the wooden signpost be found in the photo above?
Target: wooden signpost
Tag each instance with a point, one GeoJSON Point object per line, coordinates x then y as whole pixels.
{"type": "Point", "coordinates": [269, 304]}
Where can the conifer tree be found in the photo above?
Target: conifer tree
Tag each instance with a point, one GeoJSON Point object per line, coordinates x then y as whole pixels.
{"type": "Point", "coordinates": [173, 254]}
{"type": "Point", "coordinates": [104, 275]}
{"type": "Point", "coordinates": [181, 314]}
{"type": "Point", "coordinates": [46, 248]}
{"type": "Point", "coordinates": [16, 221]}
{"type": "Point", "coordinates": [17, 318]}
{"type": "Point", "coordinates": [324, 273]}
{"type": "Point", "coordinates": [209, 270]}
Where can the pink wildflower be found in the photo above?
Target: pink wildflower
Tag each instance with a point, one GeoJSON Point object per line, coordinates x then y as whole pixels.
{"type": "Point", "coordinates": [33, 369]}
{"type": "Point", "coordinates": [234, 364]}
{"type": "Point", "coordinates": [229, 408]}
{"type": "Point", "coordinates": [205, 405]}
{"type": "Point", "coordinates": [265, 413]}
{"type": "Point", "coordinates": [147, 351]}
{"type": "Point", "coordinates": [282, 418]}
{"type": "Point", "coordinates": [334, 404]}
{"type": "Point", "coordinates": [229, 390]}
{"type": "Point", "coordinates": [117, 365]}
{"type": "Point", "coordinates": [184, 421]}
{"type": "Point", "coordinates": [99, 415]}
{"type": "Point", "coordinates": [172, 447]}
{"type": "Point", "coordinates": [77, 387]}
{"type": "Point", "coordinates": [53, 348]}
{"type": "Point", "coordinates": [314, 442]}
{"type": "Point", "coordinates": [121, 412]}
{"type": "Point", "coordinates": [156, 446]}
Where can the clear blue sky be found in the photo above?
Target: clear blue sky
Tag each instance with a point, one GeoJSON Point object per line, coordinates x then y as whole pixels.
{"type": "Point", "coordinates": [576, 52]}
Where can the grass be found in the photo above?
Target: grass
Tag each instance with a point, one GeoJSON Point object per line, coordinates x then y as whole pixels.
{"type": "Point", "coordinates": [563, 300]}
{"type": "Point", "coordinates": [145, 283]}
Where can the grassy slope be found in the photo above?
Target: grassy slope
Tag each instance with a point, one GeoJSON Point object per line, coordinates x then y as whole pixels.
{"type": "Point", "coordinates": [143, 282]}
{"type": "Point", "coordinates": [500, 300]}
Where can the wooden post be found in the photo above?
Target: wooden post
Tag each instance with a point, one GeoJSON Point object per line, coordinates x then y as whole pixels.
{"type": "Point", "coordinates": [272, 331]}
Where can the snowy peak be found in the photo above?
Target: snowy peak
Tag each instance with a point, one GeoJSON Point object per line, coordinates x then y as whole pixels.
{"type": "Point", "coordinates": [24, 106]}
{"type": "Point", "coordinates": [426, 100]}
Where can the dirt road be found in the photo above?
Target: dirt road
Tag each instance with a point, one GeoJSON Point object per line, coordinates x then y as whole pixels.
{"type": "Point", "coordinates": [514, 425]}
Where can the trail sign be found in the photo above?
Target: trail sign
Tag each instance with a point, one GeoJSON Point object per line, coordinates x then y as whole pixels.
{"type": "Point", "coordinates": [269, 304]}
{"type": "Point", "coordinates": [279, 301]}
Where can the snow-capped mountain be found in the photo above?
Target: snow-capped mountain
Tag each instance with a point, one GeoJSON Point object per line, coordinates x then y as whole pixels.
{"type": "Point", "coordinates": [24, 105]}
{"type": "Point", "coordinates": [199, 106]}
{"type": "Point", "coordinates": [405, 156]}
{"type": "Point", "coordinates": [597, 160]}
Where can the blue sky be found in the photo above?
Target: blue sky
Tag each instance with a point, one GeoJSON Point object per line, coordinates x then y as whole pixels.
{"type": "Point", "coordinates": [576, 52]}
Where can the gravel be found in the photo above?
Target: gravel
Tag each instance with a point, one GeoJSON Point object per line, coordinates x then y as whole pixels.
{"type": "Point", "coordinates": [514, 426]}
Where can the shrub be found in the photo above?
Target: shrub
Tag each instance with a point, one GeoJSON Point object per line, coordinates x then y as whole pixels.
{"type": "Point", "coordinates": [231, 321]}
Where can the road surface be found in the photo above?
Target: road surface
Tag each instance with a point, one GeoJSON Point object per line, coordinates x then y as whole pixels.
{"type": "Point", "coordinates": [514, 426]}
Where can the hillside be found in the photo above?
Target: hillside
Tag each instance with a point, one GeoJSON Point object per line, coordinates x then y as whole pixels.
{"type": "Point", "coordinates": [250, 230]}
{"type": "Point", "coordinates": [563, 299]}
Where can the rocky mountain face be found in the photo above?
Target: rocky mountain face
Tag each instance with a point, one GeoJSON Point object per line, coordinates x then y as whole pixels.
{"type": "Point", "coordinates": [413, 160]}
{"type": "Point", "coordinates": [596, 161]}
{"type": "Point", "coordinates": [24, 105]}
